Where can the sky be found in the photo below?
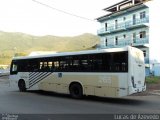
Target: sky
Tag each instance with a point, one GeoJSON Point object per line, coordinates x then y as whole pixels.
{"type": "Point", "coordinates": [28, 16]}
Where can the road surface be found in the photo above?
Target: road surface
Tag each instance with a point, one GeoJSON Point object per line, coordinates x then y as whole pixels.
{"type": "Point", "coordinates": [36, 102]}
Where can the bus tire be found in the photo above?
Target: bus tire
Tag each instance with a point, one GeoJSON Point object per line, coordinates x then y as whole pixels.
{"type": "Point", "coordinates": [22, 86]}
{"type": "Point", "coordinates": [76, 90]}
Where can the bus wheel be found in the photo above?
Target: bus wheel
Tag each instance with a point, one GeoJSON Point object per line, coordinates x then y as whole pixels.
{"type": "Point", "coordinates": [76, 90]}
{"type": "Point", "coordinates": [22, 86]}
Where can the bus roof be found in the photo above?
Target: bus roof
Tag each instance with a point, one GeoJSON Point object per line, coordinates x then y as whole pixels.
{"type": "Point", "coordinates": [74, 53]}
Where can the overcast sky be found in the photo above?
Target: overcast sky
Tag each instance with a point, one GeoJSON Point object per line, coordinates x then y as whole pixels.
{"type": "Point", "coordinates": [30, 17]}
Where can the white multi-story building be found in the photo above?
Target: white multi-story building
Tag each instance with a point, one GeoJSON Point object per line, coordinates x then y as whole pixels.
{"type": "Point", "coordinates": [135, 23]}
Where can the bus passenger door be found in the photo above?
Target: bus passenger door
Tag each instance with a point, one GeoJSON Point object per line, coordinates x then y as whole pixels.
{"type": "Point", "coordinates": [61, 87]}
{"type": "Point", "coordinates": [13, 78]}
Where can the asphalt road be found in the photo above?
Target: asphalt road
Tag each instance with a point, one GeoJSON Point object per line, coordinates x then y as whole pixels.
{"type": "Point", "coordinates": [36, 102]}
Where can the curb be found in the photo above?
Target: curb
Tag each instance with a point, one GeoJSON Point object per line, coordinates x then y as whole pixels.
{"type": "Point", "coordinates": [155, 92]}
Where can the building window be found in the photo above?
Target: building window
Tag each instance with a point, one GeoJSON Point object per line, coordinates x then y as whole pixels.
{"type": "Point", "coordinates": [142, 15]}
{"type": "Point", "coordinates": [106, 25]}
{"type": "Point", "coordinates": [144, 52]}
{"type": "Point", "coordinates": [106, 42]}
{"type": "Point", "coordinates": [134, 19]}
{"type": "Point", "coordinates": [116, 24]}
{"type": "Point", "coordinates": [124, 36]}
{"type": "Point", "coordinates": [116, 40]}
{"type": "Point", "coordinates": [134, 37]}
{"type": "Point", "coordinates": [142, 34]}
{"type": "Point", "coordinates": [124, 18]}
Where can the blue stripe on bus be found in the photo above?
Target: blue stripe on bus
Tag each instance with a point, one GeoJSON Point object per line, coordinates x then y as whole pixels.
{"type": "Point", "coordinates": [31, 74]}
{"type": "Point", "coordinates": [36, 77]}
{"type": "Point", "coordinates": [40, 76]}
{"type": "Point", "coordinates": [40, 79]}
{"type": "Point", "coordinates": [44, 75]}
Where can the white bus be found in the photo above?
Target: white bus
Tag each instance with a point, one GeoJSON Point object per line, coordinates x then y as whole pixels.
{"type": "Point", "coordinates": [112, 72]}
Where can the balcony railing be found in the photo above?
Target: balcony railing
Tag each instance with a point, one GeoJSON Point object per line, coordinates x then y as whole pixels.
{"type": "Point", "coordinates": [141, 41]}
{"type": "Point", "coordinates": [136, 22]}
{"type": "Point", "coordinates": [124, 26]}
{"type": "Point", "coordinates": [122, 43]}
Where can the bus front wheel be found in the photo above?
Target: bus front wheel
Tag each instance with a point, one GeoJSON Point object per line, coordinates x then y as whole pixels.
{"type": "Point", "coordinates": [76, 90]}
{"type": "Point", "coordinates": [22, 86]}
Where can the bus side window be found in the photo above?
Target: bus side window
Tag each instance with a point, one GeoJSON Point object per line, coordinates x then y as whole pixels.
{"type": "Point", "coordinates": [14, 69]}
{"type": "Point", "coordinates": [41, 66]}
{"type": "Point", "coordinates": [56, 65]}
{"type": "Point", "coordinates": [50, 66]}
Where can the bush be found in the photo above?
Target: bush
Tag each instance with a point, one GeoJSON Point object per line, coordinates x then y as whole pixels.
{"type": "Point", "coordinates": [152, 79]}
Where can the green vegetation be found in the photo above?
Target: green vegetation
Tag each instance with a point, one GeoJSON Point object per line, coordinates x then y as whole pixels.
{"type": "Point", "coordinates": [152, 80]}
{"type": "Point", "coordinates": [19, 44]}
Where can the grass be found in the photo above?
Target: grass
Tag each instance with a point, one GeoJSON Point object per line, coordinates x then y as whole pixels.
{"type": "Point", "coordinates": [152, 80]}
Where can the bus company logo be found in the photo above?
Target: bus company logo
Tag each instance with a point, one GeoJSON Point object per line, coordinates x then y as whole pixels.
{"type": "Point", "coordinates": [105, 79]}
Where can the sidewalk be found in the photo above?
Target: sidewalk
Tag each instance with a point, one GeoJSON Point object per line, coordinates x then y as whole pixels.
{"type": "Point", "coordinates": [155, 92]}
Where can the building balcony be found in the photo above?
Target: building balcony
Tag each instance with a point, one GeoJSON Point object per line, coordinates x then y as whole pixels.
{"type": "Point", "coordinates": [124, 26]}
{"type": "Point", "coordinates": [102, 31]}
{"type": "Point", "coordinates": [119, 44]}
{"type": "Point", "coordinates": [140, 41]}
{"type": "Point", "coordinates": [123, 43]}
{"type": "Point", "coordinates": [137, 23]}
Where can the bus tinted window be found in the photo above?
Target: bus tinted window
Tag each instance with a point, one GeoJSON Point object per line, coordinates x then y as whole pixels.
{"type": "Point", "coordinates": [120, 61]}
{"type": "Point", "coordinates": [102, 62]}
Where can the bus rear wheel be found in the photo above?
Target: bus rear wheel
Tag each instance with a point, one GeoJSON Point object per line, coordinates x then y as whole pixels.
{"type": "Point", "coordinates": [22, 86]}
{"type": "Point", "coordinates": [76, 90]}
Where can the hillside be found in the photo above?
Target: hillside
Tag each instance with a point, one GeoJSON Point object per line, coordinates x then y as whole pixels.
{"type": "Point", "coordinates": [22, 44]}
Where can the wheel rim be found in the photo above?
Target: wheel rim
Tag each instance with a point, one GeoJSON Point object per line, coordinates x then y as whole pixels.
{"type": "Point", "coordinates": [22, 86]}
{"type": "Point", "coordinates": [76, 91]}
